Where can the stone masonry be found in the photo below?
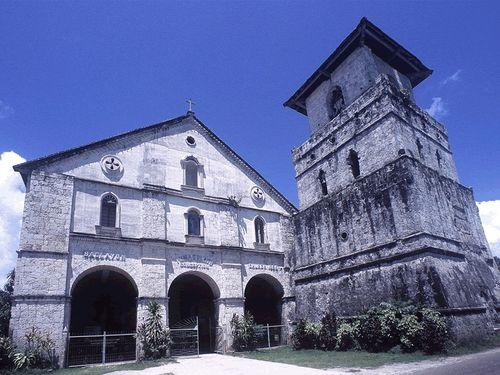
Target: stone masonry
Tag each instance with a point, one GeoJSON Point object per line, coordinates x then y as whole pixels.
{"type": "Point", "coordinates": [400, 227]}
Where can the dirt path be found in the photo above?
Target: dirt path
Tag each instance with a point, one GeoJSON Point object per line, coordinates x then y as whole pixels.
{"type": "Point", "coordinates": [214, 364]}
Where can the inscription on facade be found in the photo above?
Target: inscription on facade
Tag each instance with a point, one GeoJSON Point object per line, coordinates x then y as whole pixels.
{"type": "Point", "coordinates": [194, 261]}
{"type": "Point", "coordinates": [265, 267]}
{"type": "Point", "coordinates": [96, 255]}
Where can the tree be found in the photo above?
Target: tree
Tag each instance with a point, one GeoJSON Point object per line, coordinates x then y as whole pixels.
{"type": "Point", "coordinates": [6, 303]}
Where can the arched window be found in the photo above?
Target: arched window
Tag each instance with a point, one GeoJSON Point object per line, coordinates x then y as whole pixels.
{"type": "Point", "coordinates": [191, 167]}
{"type": "Point", "coordinates": [335, 102]}
{"type": "Point", "coordinates": [259, 230]}
{"type": "Point", "coordinates": [322, 181]}
{"type": "Point", "coordinates": [438, 157]}
{"type": "Point", "coordinates": [194, 223]}
{"type": "Point", "coordinates": [109, 205]}
{"type": "Point", "coordinates": [353, 161]}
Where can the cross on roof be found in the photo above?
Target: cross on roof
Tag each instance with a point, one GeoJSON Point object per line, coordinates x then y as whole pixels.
{"type": "Point", "coordinates": [190, 103]}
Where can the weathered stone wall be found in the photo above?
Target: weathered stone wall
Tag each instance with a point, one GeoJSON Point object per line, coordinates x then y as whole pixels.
{"type": "Point", "coordinates": [395, 235]}
{"type": "Point", "coordinates": [356, 74]}
{"type": "Point", "coordinates": [379, 125]}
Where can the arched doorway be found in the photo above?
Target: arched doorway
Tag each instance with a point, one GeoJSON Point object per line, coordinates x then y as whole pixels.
{"type": "Point", "coordinates": [263, 294]}
{"type": "Point", "coordinates": [103, 318]}
{"type": "Point", "coordinates": [192, 295]}
{"type": "Point", "coordinates": [103, 301]}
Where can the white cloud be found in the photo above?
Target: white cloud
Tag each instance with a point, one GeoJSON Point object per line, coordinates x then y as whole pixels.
{"type": "Point", "coordinates": [5, 110]}
{"type": "Point", "coordinates": [437, 108]}
{"type": "Point", "coordinates": [453, 78]}
{"type": "Point", "coordinates": [11, 210]}
{"type": "Point", "coordinates": [490, 216]}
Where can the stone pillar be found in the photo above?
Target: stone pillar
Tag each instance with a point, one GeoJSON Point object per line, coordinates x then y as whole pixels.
{"type": "Point", "coordinates": [226, 308]}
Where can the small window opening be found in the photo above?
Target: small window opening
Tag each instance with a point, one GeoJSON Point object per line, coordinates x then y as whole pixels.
{"type": "Point", "coordinates": [420, 148]}
{"type": "Point", "coordinates": [109, 204]}
{"type": "Point", "coordinates": [353, 161]}
{"type": "Point", "coordinates": [344, 236]}
{"type": "Point", "coordinates": [438, 157]}
{"type": "Point", "coordinates": [259, 230]}
{"type": "Point", "coordinates": [191, 173]}
{"type": "Point", "coordinates": [190, 141]}
{"type": "Point", "coordinates": [322, 181]}
{"type": "Point", "coordinates": [194, 221]}
{"type": "Point", "coordinates": [335, 102]}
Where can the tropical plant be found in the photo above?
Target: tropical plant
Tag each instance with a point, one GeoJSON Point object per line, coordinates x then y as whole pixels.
{"type": "Point", "coordinates": [153, 334]}
{"type": "Point", "coordinates": [6, 303]}
{"type": "Point", "coordinates": [305, 335]}
{"type": "Point", "coordinates": [243, 332]}
{"type": "Point", "coordinates": [6, 353]}
{"type": "Point", "coordinates": [410, 330]}
{"type": "Point", "coordinates": [328, 332]}
{"type": "Point", "coordinates": [38, 352]}
{"type": "Point", "coordinates": [434, 331]}
{"type": "Point", "coordinates": [346, 339]}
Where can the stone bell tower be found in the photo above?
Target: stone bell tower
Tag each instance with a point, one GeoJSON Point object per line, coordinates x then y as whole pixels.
{"type": "Point", "coordinates": [383, 216]}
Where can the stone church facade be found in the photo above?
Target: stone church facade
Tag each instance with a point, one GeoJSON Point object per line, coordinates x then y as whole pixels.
{"type": "Point", "coordinates": [169, 213]}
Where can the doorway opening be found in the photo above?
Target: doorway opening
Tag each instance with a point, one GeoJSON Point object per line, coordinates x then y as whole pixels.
{"type": "Point", "coordinates": [190, 296]}
{"type": "Point", "coordinates": [263, 295]}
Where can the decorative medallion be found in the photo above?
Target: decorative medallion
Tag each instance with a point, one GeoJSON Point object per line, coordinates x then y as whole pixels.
{"type": "Point", "coordinates": [257, 194]}
{"type": "Point", "coordinates": [110, 164]}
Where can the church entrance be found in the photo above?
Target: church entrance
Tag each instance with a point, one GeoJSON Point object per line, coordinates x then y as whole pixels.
{"type": "Point", "coordinates": [103, 318]}
{"type": "Point", "coordinates": [191, 299]}
{"type": "Point", "coordinates": [263, 295]}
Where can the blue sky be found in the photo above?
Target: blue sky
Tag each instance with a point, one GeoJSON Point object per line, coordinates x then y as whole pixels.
{"type": "Point", "coordinates": [75, 72]}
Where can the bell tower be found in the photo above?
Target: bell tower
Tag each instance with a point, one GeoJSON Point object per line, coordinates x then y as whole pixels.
{"type": "Point", "coordinates": [383, 216]}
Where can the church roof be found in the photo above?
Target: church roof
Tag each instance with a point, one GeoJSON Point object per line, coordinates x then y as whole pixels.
{"type": "Point", "coordinates": [28, 166]}
{"type": "Point", "coordinates": [381, 44]}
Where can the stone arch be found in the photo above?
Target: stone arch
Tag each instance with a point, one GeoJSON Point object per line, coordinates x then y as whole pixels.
{"type": "Point", "coordinates": [263, 298]}
{"type": "Point", "coordinates": [103, 299]}
{"type": "Point", "coordinates": [191, 299]}
{"type": "Point", "coordinates": [205, 277]}
{"type": "Point", "coordinates": [103, 267]}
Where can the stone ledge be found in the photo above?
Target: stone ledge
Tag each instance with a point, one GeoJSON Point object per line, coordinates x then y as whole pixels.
{"type": "Point", "coordinates": [397, 258]}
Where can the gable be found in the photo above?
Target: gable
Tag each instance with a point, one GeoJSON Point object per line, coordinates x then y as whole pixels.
{"type": "Point", "coordinates": [154, 155]}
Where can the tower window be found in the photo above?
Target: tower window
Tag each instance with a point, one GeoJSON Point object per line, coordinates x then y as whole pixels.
{"type": "Point", "coordinates": [438, 157]}
{"type": "Point", "coordinates": [335, 102]}
{"type": "Point", "coordinates": [420, 147]}
{"type": "Point", "coordinates": [109, 204]}
{"type": "Point", "coordinates": [259, 230]}
{"type": "Point", "coordinates": [322, 181]}
{"type": "Point", "coordinates": [353, 161]}
{"type": "Point", "coordinates": [191, 173]}
{"type": "Point", "coordinates": [194, 223]}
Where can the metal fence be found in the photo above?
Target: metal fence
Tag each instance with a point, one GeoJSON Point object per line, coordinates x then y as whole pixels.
{"type": "Point", "coordinates": [185, 338]}
{"type": "Point", "coordinates": [105, 348]}
{"type": "Point", "coordinates": [269, 335]}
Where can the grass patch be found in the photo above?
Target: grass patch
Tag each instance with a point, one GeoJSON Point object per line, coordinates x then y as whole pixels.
{"type": "Point", "coordinates": [94, 370]}
{"type": "Point", "coordinates": [324, 360]}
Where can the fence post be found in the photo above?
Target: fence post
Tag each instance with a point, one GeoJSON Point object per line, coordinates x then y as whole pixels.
{"type": "Point", "coordinates": [268, 337]}
{"type": "Point", "coordinates": [104, 347]}
{"type": "Point", "coordinates": [197, 336]}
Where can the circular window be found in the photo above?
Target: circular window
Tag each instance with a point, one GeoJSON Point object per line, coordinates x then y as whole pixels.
{"type": "Point", "coordinates": [111, 164]}
{"type": "Point", "coordinates": [257, 194]}
{"type": "Point", "coordinates": [190, 141]}
{"type": "Point", "coordinates": [344, 236]}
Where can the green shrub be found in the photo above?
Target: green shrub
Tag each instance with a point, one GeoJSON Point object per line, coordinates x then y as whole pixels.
{"type": "Point", "coordinates": [346, 339]}
{"type": "Point", "coordinates": [410, 330]}
{"type": "Point", "coordinates": [434, 331]}
{"type": "Point", "coordinates": [38, 352]}
{"type": "Point", "coordinates": [243, 331]}
{"type": "Point", "coordinates": [305, 335]}
{"type": "Point", "coordinates": [370, 335]}
{"type": "Point", "coordinates": [328, 332]}
{"type": "Point", "coordinates": [389, 316]}
{"type": "Point", "coordinates": [6, 353]}
{"type": "Point", "coordinates": [153, 335]}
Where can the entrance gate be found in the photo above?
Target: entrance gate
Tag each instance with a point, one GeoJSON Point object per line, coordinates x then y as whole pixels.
{"type": "Point", "coordinates": [105, 348]}
{"type": "Point", "coordinates": [185, 338]}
